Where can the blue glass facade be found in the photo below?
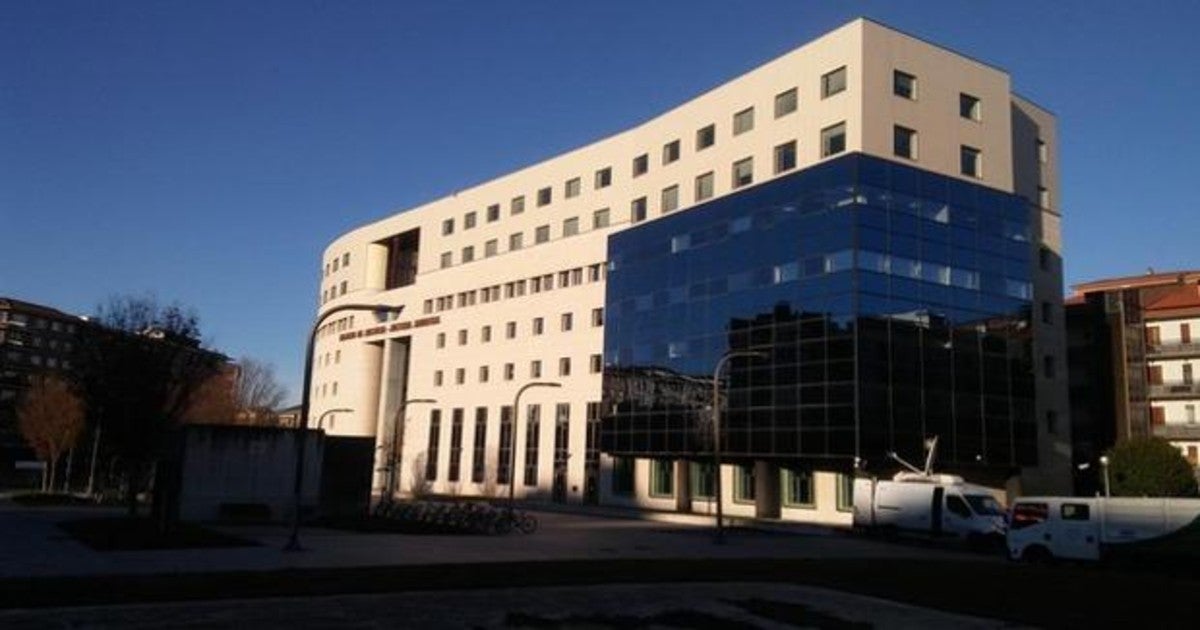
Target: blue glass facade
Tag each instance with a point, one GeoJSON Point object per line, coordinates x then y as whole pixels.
{"type": "Point", "coordinates": [893, 305]}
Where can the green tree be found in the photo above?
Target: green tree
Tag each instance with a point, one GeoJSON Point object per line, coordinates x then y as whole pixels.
{"type": "Point", "coordinates": [1150, 466]}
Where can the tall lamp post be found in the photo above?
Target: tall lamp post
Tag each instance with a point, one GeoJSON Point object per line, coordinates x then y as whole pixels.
{"type": "Point", "coordinates": [293, 543]}
{"type": "Point", "coordinates": [512, 454]}
{"type": "Point", "coordinates": [1104, 466]}
{"type": "Point", "coordinates": [398, 426]}
{"type": "Point", "coordinates": [716, 428]}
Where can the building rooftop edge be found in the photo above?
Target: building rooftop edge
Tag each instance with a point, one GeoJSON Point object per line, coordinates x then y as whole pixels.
{"type": "Point", "coordinates": [1185, 276]}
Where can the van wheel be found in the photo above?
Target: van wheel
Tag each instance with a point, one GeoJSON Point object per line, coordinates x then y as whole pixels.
{"type": "Point", "coordinates": [1036, 554]}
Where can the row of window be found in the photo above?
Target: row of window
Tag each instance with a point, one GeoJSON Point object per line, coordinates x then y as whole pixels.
{"type": "Point", "coordinates": [22, 338]}
{"type": "Point", "coordinates": [595, 366]}
{"type": "Point", "coordinates": [537, 327]}
{"type": "Point", "coordinates": [340, 325]}
{"type": "Point", "coordinates": [797, 486]}
{"type": "Point", "coordinates": [13, 357]}
{"type": "Point", "coordinates": [517, 288]}
{"type": "Point", "coordinates": [338, 262]}
{"type": "Point", "coordinates": [39, 323]}
{"type": "Point", "coordinates": [904, 85]}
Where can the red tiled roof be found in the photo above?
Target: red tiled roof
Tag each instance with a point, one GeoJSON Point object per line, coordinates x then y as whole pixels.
{"type": "Point", "coordinates": [1184, 296]}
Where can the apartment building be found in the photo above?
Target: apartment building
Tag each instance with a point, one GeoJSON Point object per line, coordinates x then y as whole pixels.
{"type": "Point", "coordinates": [1133, 363]}
{"type": "Point", "coordinates": [873, 215]}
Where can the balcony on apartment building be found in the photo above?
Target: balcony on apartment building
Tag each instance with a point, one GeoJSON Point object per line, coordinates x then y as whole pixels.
{"type": "Point", "coordinates": [1174, 391]}
{"type": "Point", "coordinates": [1172, 350]}
{"type": "Point", "coordinates": [1177, 431]}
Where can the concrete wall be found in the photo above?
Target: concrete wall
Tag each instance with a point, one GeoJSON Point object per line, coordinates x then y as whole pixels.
{"type": "Point", "coordinates": [245, 465]}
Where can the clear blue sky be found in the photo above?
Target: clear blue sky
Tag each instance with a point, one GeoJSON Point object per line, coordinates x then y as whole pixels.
{"type": "Point", "coordinates": [207, 152]}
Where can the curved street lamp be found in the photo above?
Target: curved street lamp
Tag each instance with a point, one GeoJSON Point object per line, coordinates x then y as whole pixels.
{"type": "Point", "coordinates": [321, 418]}
{"type": "Point", "coordinates": [398, 425]}
{"type": "Point", "coordinates": [293, 543]}
{"type": "Point", "coordinates": [719, 537]}
{"type": "Point", "coordinates": [512, 454]}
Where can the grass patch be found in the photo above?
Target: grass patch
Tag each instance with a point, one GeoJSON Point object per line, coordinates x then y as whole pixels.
{"type": "Point", "coordinates": [140, 534]}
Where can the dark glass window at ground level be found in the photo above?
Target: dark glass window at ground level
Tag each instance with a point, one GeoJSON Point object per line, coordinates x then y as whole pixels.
{"type": "Point", "coordinates": [893, 305]}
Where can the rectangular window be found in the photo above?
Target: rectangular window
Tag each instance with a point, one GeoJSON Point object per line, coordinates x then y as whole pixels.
{"type": "Point", "coordinates": [572, 188]}
{"type": "Point", "coordinates": [541, 234]}
{"type": "Point", "coordinates": [845, 493]}
{"type": "Point", "coordinates": [641, 164]}
{"type": "Point", "coordinates": [566, 322]}
{"type": "Point", "coordinates": [510, 330]}
{"type": "Point", "coordinates": [1048, 367]}
{"type": "Point", "coordinates": [564, 366]}
{"type": "Point", "coordinates": [798, 488]}
{"type": "Point", "coordinates": [460, 376]}
{"type": "Point", "coordinates": [904, 85]}
{"type": "Point", "coordinates": [1051, 421]}
{"type": "Point", "coordinates": [447, 227]}
{"type": "Point", "coordinates": [484, 374]}
{"type": "Point", "coordinates": [456, 435]}
{"type": "Point", "coordinates": [447, 259]}
{"type": "Point", "coordinates": [1043, 197]}
{"type": "Point", "coordinates": [743, 121]}
{"type": "Point", "coordinates": [969, 107]}
{"type": "Point", "coordinates": [535, 369]}
{"type": "Point", "coordinates": [571, 226]}
{"type": "Point", "coordinates": [478, 454]}
{"type": "Point", "coordinates": [705, 137]}
{"type": "Point", "coordinates": [785, 157]}
{"type": "Point", "coordinates": [510, 371]}
{"type": "Point", "coordinates": [704, 186]}
{"type": "Point", "coordinates": [904, 142]}
{"type": "Point", "coordinates": [603, 178]}
{"type": "Point", "coordinates": [833, 140]}
{"type": "Point", "coordinates": [544, 196]}
{"type": "Point", "coordinates": [785, 103]}
{"type": "Point", "coordinates": [462, 337]}
{"type": "Point", "coordinates": [596, 363]}
{"type": "Point", "coordinates": [491, 248]}
{"type": "Point", "coordinates": [431, 452]}
{"type": "Point", "coordinates": [505, 447]}
{"type": "Point", "coordinates": [597, 317]}
{"type": "Point", "coordinates": [743, 483]}
{"type": "Point", "coordinates": [670, 152]}
{"type": "Point", "coordinates": [1043, 154]}
{"type": "Point", "coordinates": [485, 334]}
{"type": "Point", "coordinates": [969, 158]}
{"type": "Point", "coordinates": [743, 172]}
{"type": "Point", "coordinates": [516, 206]}
{"type": "Point", "coordinates": [1047, 313]}
{"type": "Point", "coordinates": [516, 241]}
{"type": "Point", "coordinates": [702, 481]}
{"type": "Point", "coordinates": [533, 417]}
{"type": "Point", "coordinates": [1185, 333]}
{"type": "Point", "coordinates": [469, 220]}
{"type": "Point", "coordinates": [670, 199]}
{"type": "Point", "coordinates": [833, 82]}
{"type": "Point", "coordinates": [637, 210]}
{"type": "Point", "coordinates": [468, 253]}
{"type": "Point", "coordinates": [662, 478]}
{"type": "Point", "coordinates": [600, 219]}
{"type": "Point", "coordinates": [622, 475]}
{"type": "Point", "coordinates": [539, 325]}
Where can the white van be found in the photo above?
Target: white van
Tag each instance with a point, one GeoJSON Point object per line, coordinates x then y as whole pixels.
{"type": "Point", "coordinates": [935, 504]}
{"type": "Point", "coordinates": [1085, 528]}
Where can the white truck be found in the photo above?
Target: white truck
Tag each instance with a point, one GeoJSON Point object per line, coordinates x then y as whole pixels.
{"type": "Point", "coordinates": [933, 504]}
{"type": "Point", "coordinates": [1087, 528]}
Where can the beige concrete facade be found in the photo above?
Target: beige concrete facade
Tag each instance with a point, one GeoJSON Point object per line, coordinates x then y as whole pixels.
{"type": "Point", "coordinates": [472, 280]}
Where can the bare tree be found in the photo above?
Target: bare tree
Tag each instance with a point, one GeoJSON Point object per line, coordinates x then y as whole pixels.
{"type": "Point", "coordinates": [214, 402]}
{"type": "Point", "coordinates": [51, 421]}
{"type": "Point", "coordinates": [257, 393]}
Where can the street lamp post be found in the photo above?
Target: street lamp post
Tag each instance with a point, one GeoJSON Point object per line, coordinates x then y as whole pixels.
{"type": "Point", "coordinates": [512, 455]}
{"type": "Point", "coordinates": [398, 425]}
{"type": "Point", "coordinates": [321, 418]}
{"type": "Point", "coordinates": [1104, 465]}
{"type": "Point", "coordinates": [293, 543]}
{"type": "Point", "coordinates": [716, 428]}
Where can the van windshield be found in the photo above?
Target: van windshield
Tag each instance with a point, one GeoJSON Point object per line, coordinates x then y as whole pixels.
{"type": "Point", "coordinates": [984, 505]}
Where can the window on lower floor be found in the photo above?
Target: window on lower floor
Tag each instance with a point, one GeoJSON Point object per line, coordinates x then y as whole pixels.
{"type": "Point", "coordinates": [662, 478]}
{"type": "Point", "coordinates": [670, 152]}
{"type": "Point", "coordinates": [702, 480]}
{"type": "Point", "coordinates": [603, 178]}
{"type": "Point", "coordinates": [705, 137]}
{"type": "Point", "coordinates": [743, 172]}
{"type": "Point", "coordinates": [572, 188]}
{"type": "Point", "coordinates": [637, 210]}
{"type": "Point", "coordinates": [743, 483]}
{"type": "Point", "coordinates": [600, 219]}
{"type": "Point", "coordinates": [641, 164]}
{"type": "Point", "coordinates": [670, 199]}
{"type": "Point", "coordinates": [785, 102]}
{"type": "Point", "coordinates": [904, 142]}
{"type": "Point", "coordinates": [622, 475]}
{"type": "Point", "coordinates": [970, 161]}
{"type": "Point", "coordinates": [570, 226]}
{"type": "Point", "coordinates": [596, 363]}
{"type": "Point", "coordinates": [743, 121]}
{"type": "Point", "coordinates": [798, 488]}
{"type": "Point", "coordinates": [833, 140]}
{"type": "Point", "coordinates": [845, 492]}
{"type": "Point", "coordinates": [541, 234]}
{"type": "Point", "coordinates": [785, 157]}
{"type": "Point", "coordinates": [544, 196]}
{"type": "Point", "coordinates": [704, 186]}
{"type": "Point", "coordinates": [564, 366]}
{"type": "Point", "coordinates": [516, 241]}
{"type": "Point", "coordinates": [833, 82]}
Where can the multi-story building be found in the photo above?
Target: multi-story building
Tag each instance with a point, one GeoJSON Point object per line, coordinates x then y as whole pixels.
{"type": "Point", "coordinates": [873, 213]}
{"type": "Point", "coordinates": [1133, 363]}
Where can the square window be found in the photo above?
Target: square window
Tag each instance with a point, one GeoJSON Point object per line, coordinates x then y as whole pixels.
{"type": "Point", "coordinates": [785, 103]}
{"type": "Point", "coordinates": [969, 107]}
{"type": "Point", "coordinates": [468, 253]}
{"type": "Point", "coordinates": [641, 164]}
{"type": "Point", "coordinates": [670, 152]}
{"type": "Point", "coordinates": [904, 85]}
{"type": "Point", "coordinates": [904, 142]}
{"type": "Point", "coordinates": [970, 158]}
{"type": "Point", "coordinates": [833, 140]}
{"type": "Point", "coordinates": [469, 220]}
{"type": "Point", "coordinates": [705, 137]}
{"type": "Point", "coordinates": [544, 196]}
{"type": "Point", "coordinates": [493, 212]}
{"type": "Point", "coordinates": [516, 241]}
{"type": "Point", "coordinates": [600, 219]}
{"type": "Point", "coordinates": [516, 206]}
{"type": "Point", "coordinates": [571, 226]}
{"type": "Point", "coordinates": [447, 227]}
{"type": "Point", "coordinates": [743, 121]}
{"type": "Point", "coordinates": [603, 178]}
{"type": "Point", "coordinates": [637, 210]}
{"type": "Point", "coordinates": [833, 82]}
{"type": "Point", "coordinates": [491, 248]}
{"type": "Point", "coordinates": [704, 186]}
{"type": "Point", "coordinates": [670, 199]}
{"type": "Point", "coordinates": [541, 234]}
{"type": "Point", "coordinates": [743, 172]}
{"type": "Point", "coordinates": [785, 157]}
{"type": "Point", "coordinates": [571, 189]}
{"type": "Point", "coordinates": [447, 259]}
